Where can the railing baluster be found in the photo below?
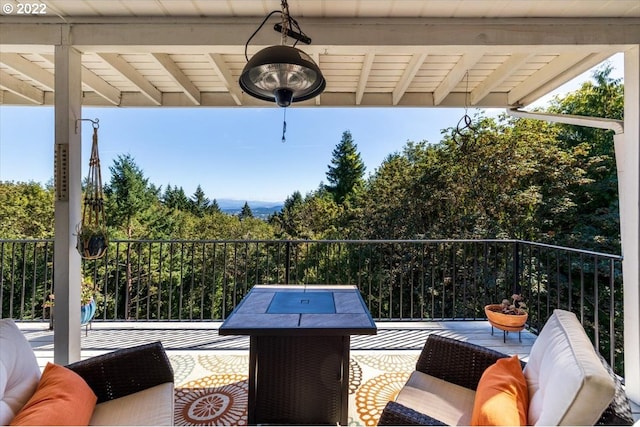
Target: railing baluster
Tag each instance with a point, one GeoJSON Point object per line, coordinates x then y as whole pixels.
{"type": "Point", "coordinates": [612, 308]}
{"type": "Point", "coordinates": [596, 305]}
{"type": "Point", "coordinates": [149, 280]}
{"type": "Point", "coordinates": [160, 281]}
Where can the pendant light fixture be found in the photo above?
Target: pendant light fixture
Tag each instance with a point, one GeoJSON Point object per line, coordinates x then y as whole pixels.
{"type": "Point", "coordinates": [282, 73]}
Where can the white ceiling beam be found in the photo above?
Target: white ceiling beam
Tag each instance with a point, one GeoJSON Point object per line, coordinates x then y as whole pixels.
{"type": "Point", "coordinates": [219, 66]}
{"type": "Point", "coordinates": [541, 77]}
{"type": "Point", "coordinates": [364, 76]}
{"type": "Point", "coordinates": [94, 82]}
{"type": "Point", "coordinates": [574, 71]}
{"type": "Point", "coordinates": [178, 76]}
{"type": "Point", "coordinates": [221, 99]}
{"type": "Point", "coordinates": [131, 74]}
{"type": "Point", "coordinates": [21, 88]}
{"type": "Point", "coordinates": [409, 73]}
{"type": "Point", "coordinates": [28, 69]}
{"type": "Point", "coordinates": [173, 31]}
{"type": "Point", "coordinates": [498, 76]}
{"type": "Point", "coordinates": [198, 49]}
{"type": "Point", "coordinates": [455, 76]}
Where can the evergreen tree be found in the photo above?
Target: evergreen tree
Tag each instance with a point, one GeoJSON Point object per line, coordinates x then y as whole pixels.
{"type": "Point", "coordinates": [129, 201]}
{"type": "Point", "coordinates": [176, 198]}
{"type": "Point", "coordinates": [213, 207]}
{"type": "Point", "coordinates": [169, 197]}
{"type": "Point", "coordinates": [183, 202]}
{"type": "Point", "coordinates": [128, 194]}
{"type": "Point", "coordinates": [245, 212]}
{"type": "Point", "coordinates": [199, 202]}
{"type": "Point", "coordinates": [346, 172]}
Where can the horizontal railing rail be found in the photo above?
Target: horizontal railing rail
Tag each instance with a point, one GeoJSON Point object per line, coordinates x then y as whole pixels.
{"type": "Point", "coordinates": [407, 280]}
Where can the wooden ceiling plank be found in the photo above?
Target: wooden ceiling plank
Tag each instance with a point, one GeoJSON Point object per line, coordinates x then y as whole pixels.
{"type": "Point", "coordinates": [21, 88]}
{"type": "Point", "coordinates": [28, 69]}
{"type": "Point", "coordinates": [547, 73]}
{"type": "Point", "coordinates": [131, 74]}
{"type": "Point", "coordinates": [95, 82]}
{"type": "Point", "coordinates": [364, 76]}
{"type": "Point", "coordinates": [409, 73]}
{"type": "Point", "coordinates": [575, 70]}
{"type": "Point", "coordinates": [178, 76]}
{"type": "Point", "coordinates": [219, 66]}
{"type": "Point", "coordinates": [498, 76]}
{"type": "Point", "coordinates": [457, 73]}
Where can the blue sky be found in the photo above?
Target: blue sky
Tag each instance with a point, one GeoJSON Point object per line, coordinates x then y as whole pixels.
{"type": "Point", "coordinates": [232, 153]}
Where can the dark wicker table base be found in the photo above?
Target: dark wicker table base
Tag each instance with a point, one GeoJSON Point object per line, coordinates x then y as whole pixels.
{"type": "Point", "coordinates": [299, 380]}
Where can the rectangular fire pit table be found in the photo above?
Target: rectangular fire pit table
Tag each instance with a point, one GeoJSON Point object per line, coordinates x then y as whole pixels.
{"type": "Point", "coordinates": [299, 350]}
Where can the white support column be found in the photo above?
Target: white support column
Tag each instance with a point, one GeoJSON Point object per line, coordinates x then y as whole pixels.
{"type": "Point", "coordinates": [68, 101]}
{"type": "Point", "coordinates": [628, 160]}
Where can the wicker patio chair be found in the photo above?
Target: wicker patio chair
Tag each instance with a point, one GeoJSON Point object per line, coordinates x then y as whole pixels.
{"type": "Point", "coordinates": [126, 371]}
{"type": "Point", "coordinates": [451, 360]}
{"type": "Point", "coordinates": [463, 364]}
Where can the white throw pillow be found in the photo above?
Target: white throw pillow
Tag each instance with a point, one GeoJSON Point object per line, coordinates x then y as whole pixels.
{"type": "Point", "coordinates": [567, 383]}
{"type": "Point", "coordinates": [19, 371]}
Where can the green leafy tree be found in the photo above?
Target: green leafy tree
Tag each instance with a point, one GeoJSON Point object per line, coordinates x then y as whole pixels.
{"type": "Point", "coordinates": [288, 219]}
{"type": "Point", "coordinates": [384, 203]}
{"type": "Point", "coordinates": [26, 210]}
{"type": "Point", "coordinates": [511, 179]}
{"type": "Point", "coordinates": [346, 172]}
{"type": "Point", "coordinates": [596, 224]}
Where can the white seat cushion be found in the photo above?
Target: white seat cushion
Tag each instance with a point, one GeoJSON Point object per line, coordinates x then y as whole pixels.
{"type": "Point", "coordinates": [19, 371]}
{"type": "Point", "coordinates": [447, 402]}
{"type": "Point", "coordinates": [150, 407]}
{"type": "Point", "coordinates": [567, 383]}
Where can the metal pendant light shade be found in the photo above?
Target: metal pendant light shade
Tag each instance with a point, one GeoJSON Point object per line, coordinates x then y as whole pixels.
{"type": "Point", "coordinates": [282, 74]}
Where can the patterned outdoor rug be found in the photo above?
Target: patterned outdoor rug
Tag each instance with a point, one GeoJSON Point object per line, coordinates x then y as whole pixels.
{"type": "Point", "coordinates": [212, 389]}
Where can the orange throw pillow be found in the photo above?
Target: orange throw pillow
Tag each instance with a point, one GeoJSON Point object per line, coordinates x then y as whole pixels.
{"type": "Point", "coordinates": [502, 397]}
{"type": "Point", "coordinates": [62, 398]}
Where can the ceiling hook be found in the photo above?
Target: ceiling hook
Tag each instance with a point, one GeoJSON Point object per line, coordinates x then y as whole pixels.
{"type": "Point", "coordinates": [95, 123]}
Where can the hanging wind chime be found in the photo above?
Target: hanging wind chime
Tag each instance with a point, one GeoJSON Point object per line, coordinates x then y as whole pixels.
{"type": "Point", "coordinates": [92, 233]}
{"type": "Point", "coordinates": [465, 134]}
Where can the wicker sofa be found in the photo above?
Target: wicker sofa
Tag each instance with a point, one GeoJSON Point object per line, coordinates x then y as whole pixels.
{"type": "Point", "coordinates": [133, 386]}
{"type": "Point", "coordinates": [568, 382]}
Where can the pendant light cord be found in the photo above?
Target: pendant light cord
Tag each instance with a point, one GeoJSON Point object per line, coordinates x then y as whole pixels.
{"type": "Point", "coordinates": [256, 32]}
{"type": "Point", "coordinates": [284, 125]}
{"type": "Point", "coordinates": [288, 24]}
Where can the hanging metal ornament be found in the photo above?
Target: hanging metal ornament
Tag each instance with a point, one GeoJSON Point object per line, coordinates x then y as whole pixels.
{"type": "Point", "coordinates": [464, 135]}
{"type": "Point", "coordinates": [93, 239]}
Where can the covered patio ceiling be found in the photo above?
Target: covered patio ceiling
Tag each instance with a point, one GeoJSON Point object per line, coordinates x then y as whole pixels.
{"type": "Point", "coordinates": [423, 53]}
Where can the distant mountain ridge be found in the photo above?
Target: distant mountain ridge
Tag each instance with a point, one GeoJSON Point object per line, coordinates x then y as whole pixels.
{"type": "Point", "coordinates": [259, 209]}
{"type": "Point", "coordinates": [227, 204]}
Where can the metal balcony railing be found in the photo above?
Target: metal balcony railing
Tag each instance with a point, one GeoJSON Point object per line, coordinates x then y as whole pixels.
{"type": "Point", "coordinates": [407, 280]}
